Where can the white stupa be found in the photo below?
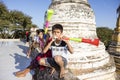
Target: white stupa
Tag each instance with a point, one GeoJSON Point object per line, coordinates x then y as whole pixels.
{"type": "Point", "coordinates": [89, 62]}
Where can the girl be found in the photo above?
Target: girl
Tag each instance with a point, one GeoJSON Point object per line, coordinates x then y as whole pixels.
{"type": "Point", "coordinates": [37, 45]}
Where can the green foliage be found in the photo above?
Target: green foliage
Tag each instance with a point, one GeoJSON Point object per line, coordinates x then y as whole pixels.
{"type": "Point", "coordinates": [13, 20]}
{"type": "Point", "coordinates": [3, 11]}
{"type": "Point", "coordinates": [105, 34]}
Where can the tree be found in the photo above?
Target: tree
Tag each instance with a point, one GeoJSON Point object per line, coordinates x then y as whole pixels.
{"type": "Point", "coordinates": [12, 21]}
{"type": "Point", "coordinates": [27, 22]}
{"type": "Point", "coordinates": [3, 11]}
{"type": "Point", "coordinates": [105, 35]}
{"type": "Point", "coordinates": [4, 22]}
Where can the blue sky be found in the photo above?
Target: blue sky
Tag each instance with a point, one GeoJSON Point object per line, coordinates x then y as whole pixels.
{"type": "Point", "coordinates": [105, 10]}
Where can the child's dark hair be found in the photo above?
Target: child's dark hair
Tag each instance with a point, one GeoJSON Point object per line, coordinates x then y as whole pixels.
{"type": "Point", "coordinates": [39, 30]}
{"type": "Point", "coordinates": [57, 26]}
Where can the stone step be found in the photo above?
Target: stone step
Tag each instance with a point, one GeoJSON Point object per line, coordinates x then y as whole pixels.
{"type": "Point", "coordinates": [117, 59]}
{"type": "Point", "coordinates": [117, 66]}
{"type": "Point", "coordinates": [117, 63]}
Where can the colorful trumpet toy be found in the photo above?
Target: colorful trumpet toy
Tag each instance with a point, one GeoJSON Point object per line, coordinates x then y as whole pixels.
{"type": "Point", "coordinates": [90, 41]}
{"type": "Point", "coordinates": [50, 12]}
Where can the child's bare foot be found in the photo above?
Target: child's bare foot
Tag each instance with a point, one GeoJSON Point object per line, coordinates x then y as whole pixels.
{"type": "Point", "coordinates": [53, 70]}
{"type": "Point", "coordinates": [62, 72]}
{"type": "Point", "coordinates": [20, 74]}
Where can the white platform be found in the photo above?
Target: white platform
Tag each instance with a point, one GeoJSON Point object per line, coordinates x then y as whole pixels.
{"type": "Point", "coordinates": [12, 59]}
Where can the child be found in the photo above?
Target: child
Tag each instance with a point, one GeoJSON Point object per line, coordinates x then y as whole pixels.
{"type": "Point", "coordinates": [37, 45]}
{"type": "Point", "coordinates": [59, 48]}
{"type": "Point", "coordinates": [34, 63]}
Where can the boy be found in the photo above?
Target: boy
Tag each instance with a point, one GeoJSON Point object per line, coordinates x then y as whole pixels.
{"type": "Point", "coordinates": [59, 48]}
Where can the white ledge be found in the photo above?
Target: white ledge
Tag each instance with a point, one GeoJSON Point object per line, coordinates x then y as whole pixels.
{"type": "Point", "coordinates": [9, 39]}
